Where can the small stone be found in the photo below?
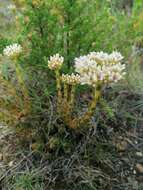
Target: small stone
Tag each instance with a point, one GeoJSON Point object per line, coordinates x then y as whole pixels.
{"type": "Point", "coordinates": [10, 164]}
{"type": "Point", "coordinates": [140, 154]}
{"type": "Point", "coordinates": [122, 146]}
{"type": "Point", "coordinates": [139, 168]}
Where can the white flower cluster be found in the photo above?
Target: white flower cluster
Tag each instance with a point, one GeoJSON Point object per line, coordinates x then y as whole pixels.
{"type": "Point", "coordinates": [71, 79]}
{"type": "Point", "coordinates": [12, 50]}
{"type": "Point", "coordinates": [55, 62]}
{"type": "Point", "coordinates": [102, 57]}
{"type": "Point", "coordinates": [11, 7]}
{"type": "Point", "coordinates": [100, 68]}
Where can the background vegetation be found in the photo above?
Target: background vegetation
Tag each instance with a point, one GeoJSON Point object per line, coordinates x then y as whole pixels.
{"type": "Point", "coordinates": [38, 151]}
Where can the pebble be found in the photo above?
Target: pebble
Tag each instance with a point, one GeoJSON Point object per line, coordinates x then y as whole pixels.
{"type": "Point", "coordinates": [10, 164]}
{"type": "Point", "coordinates": [139, 168]}
{"type": "Point", "coordinates": [140, 154]}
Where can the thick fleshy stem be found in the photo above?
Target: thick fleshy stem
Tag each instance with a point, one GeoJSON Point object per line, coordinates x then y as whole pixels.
{"type": "Point", "coordinates": [21, 80]}
{"type": "Point", "coordinates": [65, 105]}
{"type": "Point", "coordinates": [72, 97]}
{"type": "Point", "coordinates": [24, 90]}
{"type": "Point", "coordinates": [59, 90]}
{"type": "Point", "coordinates": [69, 105]}
{"type": "Point", "coordinates": [75, 123]}
{"type": "Point", "coordinates": [65, 92]}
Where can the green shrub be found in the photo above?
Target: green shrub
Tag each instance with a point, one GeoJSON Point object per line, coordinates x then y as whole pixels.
{"type": "Point", "coordinates": [73, 28]}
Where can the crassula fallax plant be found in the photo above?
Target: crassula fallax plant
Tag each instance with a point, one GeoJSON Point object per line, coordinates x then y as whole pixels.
{"type": "Point", "coordinates": [13, 52]}
{"type": "Point", "coordinates": [97, 69]}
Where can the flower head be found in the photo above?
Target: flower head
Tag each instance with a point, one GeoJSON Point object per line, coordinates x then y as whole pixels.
{"type": "Point", "coordinates": [11, 7]}
{"type": "Point", "coordinates": [100, 68]}
{"type": "Point", "coordinates": [12, 50]}
{"type": "Point", "coordinates": [71, 79]}
{"type": "Point", "coordinates": [55, 62]}
{"type": "Point", "coordinates": [115, 57]}
{"type": "Point", "coordinates": [99, 57]}
{"type": "Point", "coordinates": [105, 58]}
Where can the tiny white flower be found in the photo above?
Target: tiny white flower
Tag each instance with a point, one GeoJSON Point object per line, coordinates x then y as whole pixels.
{"type": "Point", "coordinates": [12, 50]}
{"type": "Point", "coordinates": [71, 79]}
{"type": "Point", "coordinates": [55, 62]}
